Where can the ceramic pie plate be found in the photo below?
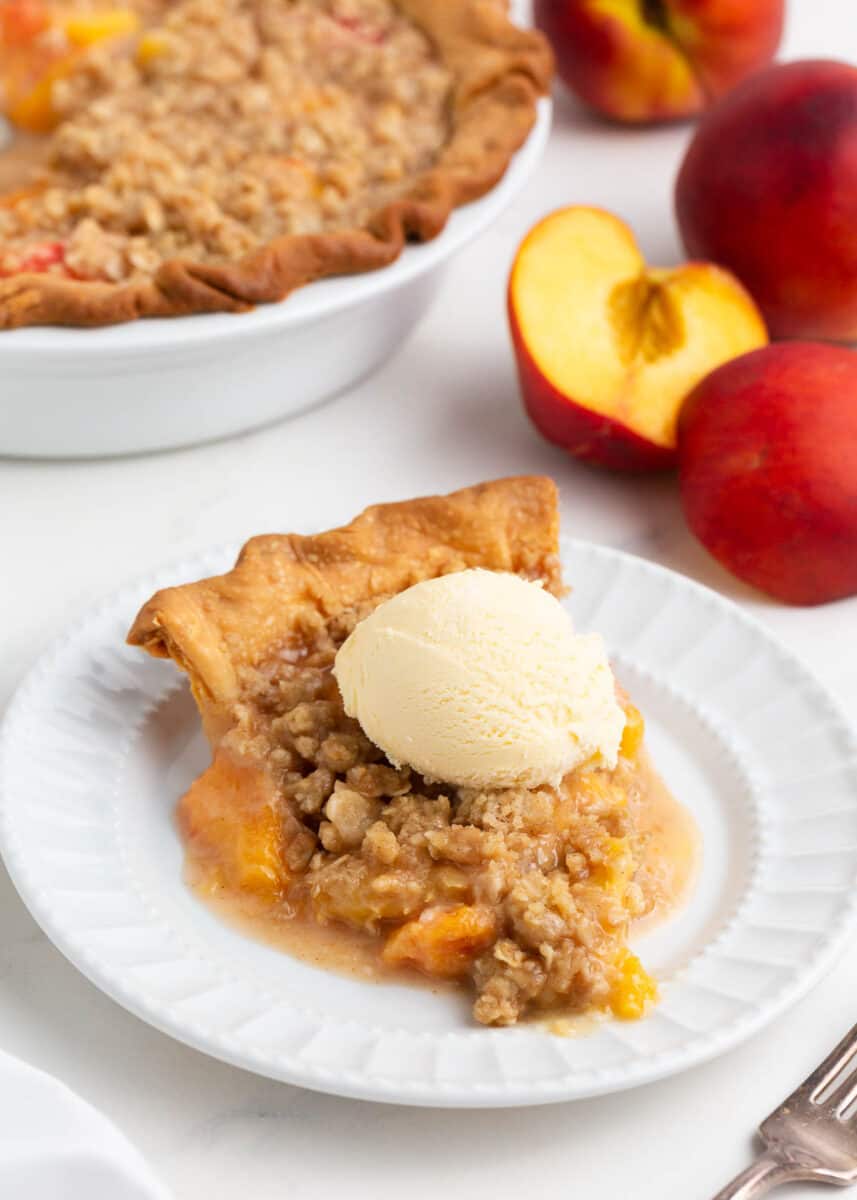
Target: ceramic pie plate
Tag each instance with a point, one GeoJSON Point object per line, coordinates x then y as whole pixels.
{"type": "Point", "coordinates": [101, 740]}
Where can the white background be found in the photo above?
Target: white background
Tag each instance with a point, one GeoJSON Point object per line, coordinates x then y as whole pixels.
{"type": "Point", "coordinates": [443, 413]}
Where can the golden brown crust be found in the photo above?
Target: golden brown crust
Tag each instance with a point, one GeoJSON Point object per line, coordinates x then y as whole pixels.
{"type": "Point", "coordinates": [284, 585]}
{"type": "Point", "coordinates": [499, 73]}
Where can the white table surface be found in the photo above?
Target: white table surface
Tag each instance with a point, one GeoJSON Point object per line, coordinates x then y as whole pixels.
{"type": "Point", "coordinates": [444, 413]}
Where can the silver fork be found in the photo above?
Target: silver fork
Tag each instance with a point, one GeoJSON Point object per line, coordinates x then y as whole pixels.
{"type": "Point", "coordinates": [812, 1135]}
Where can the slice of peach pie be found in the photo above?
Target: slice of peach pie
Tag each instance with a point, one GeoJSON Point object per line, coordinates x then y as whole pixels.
{"type": "Point", "coordinates": [382, 786]}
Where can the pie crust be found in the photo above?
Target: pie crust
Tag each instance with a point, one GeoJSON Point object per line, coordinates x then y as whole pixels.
{"type": "Point", "coordinates": [284, 587]}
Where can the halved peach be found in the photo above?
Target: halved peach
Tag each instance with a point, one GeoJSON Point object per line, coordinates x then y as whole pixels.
{"type": "Point", "coordinates": [608, 347]}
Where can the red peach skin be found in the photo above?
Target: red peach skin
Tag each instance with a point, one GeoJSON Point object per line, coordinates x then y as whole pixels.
{"type": "Point", "coordinates": [596, 438]}
{"type": "Point", "coordinates": [649, 60]}
{"type": "Point", "coordinates": [768, 469]}
{"type": "Point", "coordinates": [768, 188]}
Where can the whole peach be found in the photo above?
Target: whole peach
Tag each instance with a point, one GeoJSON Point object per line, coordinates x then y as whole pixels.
{"type": "Point", "coordinates": [768, 469]}
{"type": "Point", "coordinates": [650, 60]}
{"type": "Point", "coordinates": [768, 188]}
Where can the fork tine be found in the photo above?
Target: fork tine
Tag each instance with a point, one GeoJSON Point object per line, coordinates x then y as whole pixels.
{"type": "Point", "coordinates": [844, 1095]}
{"type": "Point", "coordinates": [832, 1065]}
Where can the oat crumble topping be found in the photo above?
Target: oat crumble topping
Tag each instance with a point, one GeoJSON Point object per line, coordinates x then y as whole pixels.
{"type": "Point", "coordinates": [231, 124]}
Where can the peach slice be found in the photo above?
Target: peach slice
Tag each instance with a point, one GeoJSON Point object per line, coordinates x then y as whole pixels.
{"type": "Point", "coordinates": [443, 942]}
{"type": "Point", "coordinates": [39, 45]}
{"type": "Point", "coordinates": [635, 990]}
{"type": "Point", "coordinates": [607, 347]}
{"type": "Point", "coordinates": [230, 824]}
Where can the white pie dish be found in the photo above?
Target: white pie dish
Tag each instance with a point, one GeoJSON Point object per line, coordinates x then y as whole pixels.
{"type": "Point", "coordinates": [101, 740]}
{"type": "Point", "coordinates": [154, 384]}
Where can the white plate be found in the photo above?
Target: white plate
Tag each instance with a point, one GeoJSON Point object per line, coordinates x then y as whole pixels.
{"type": "Point", "coordinates": [151, 384]}
{"type": "Point", "coordinates": [101, 740]}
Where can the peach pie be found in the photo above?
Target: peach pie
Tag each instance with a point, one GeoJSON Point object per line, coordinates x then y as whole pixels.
{"type": "Point", "coordinates": [522, 893]}
{"type": "Point", "coordinates": [187, 156]}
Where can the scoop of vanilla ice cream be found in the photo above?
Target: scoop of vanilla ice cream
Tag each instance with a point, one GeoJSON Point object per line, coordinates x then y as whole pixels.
{"type": "Point", "coordinates": [478, 679]}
